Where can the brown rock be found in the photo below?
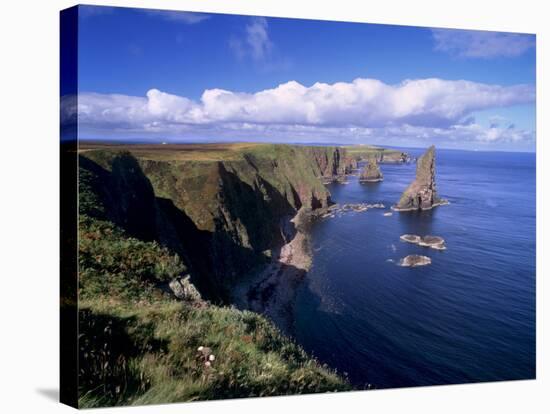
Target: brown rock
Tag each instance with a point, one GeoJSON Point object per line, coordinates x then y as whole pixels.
{"type": "Point", "coordinates": [421, 193]}
{"type": "Point", "coordinates": [371, 172]}
{"type": "Point", "coordinates": [414, 260]}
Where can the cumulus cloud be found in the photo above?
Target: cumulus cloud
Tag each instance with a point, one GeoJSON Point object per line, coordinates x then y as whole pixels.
{"type": "Point", "coordinates": [481, 44]}
{"type": "Point", "coordinates": [363, 102]}
{"type": "Point", "coordinates": [362, 108]}
{"type": "Point", "coordinates": [255, 43]}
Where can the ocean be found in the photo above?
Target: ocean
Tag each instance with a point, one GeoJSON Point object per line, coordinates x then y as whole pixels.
{"type": "Point", "coordinates": [467, 317]}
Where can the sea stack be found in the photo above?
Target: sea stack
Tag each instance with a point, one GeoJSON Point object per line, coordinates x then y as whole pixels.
{"type": "Point", "coordinates": [421, 194]}
{"type": "Point", "coordinates": [371, 172]}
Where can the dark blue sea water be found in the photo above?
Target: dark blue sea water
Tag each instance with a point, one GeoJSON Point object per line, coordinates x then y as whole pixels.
{"type": "Point", "coordinates": [467, 317]}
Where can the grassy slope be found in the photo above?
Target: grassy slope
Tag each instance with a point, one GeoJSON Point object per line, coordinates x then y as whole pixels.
{"type": "Point", "coordinates": [138, 345]}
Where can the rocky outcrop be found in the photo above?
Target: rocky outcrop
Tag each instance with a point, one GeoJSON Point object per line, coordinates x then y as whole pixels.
{"type": "Point", "coordinates": [414, 260]}
{"type": "Point", "coordinates": [371, 172]}
{"type": "Point", "coordinates": [184, 290]}
{"type": "Point", "coordinates": [421, 193]}
{"type": "Point", "coordinates": [434, 242]}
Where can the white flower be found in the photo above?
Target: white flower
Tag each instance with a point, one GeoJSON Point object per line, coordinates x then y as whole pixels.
{"type": "Point", "coordinates": [207, 364]}
{"type": "Point", "coordinates": [200, 348]}
{"type": "Point", "coordinates": [211, 357]}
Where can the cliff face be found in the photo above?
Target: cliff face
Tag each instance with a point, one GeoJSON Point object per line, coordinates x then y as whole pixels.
{"type": "Point", "coordinates": [222, 216]}
{"type": "Point", "coordinates": [371, 172]}
{"type": "Point", "coordinates": [333, 162]}
{"type": "Point", "coordinates": [350, 164]}
{"type": "Point", "coordinates": [421, 193]}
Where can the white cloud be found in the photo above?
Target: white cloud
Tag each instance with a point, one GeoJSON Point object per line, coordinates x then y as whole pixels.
{"type": "Point", "coordinates": [362, 108]}
{"type": "Point", "coordinates": [258, 38]}
{"type": "Point", "coordinates": [255, 43]}
{"type": "Point", "coordinates": [179, 16]}
{"type": "Point", "coordinates": [459, 133]}
{"type": "Point", "coordinates": [481, 44]}
{"type": "Point", "coordinates": [363, 102]}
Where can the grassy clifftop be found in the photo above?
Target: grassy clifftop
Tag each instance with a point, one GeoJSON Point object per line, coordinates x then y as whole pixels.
{"type": "Point", "coordinates": [382, 155]}
{"type": "Point", "coordinates": [138, 344]}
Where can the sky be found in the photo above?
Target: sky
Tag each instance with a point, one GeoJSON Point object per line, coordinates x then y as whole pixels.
{"type": "Point", "coordinates": [167, 76]}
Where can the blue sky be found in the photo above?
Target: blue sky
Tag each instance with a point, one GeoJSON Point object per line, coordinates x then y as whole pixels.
{"type": "Point", "coordinates": [179, 76]}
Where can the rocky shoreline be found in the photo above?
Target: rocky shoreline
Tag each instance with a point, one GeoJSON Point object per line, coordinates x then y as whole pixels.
{"type": "Point", "coordinates": [335, 209]}
{"type": "Point", "coordinates": [272, 290]}
{"type": "Point", "coordinates": [436, 204]}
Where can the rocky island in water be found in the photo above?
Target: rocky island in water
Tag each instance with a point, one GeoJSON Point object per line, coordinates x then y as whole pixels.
{"type": "Point", "coordinates": [434, 242]}
{"type": "Point", "coordinates": [414, 260]}
{"type": "Point", "coordinates": [421, 194]}
{"type": "Point", "coordinates": [371, 172]}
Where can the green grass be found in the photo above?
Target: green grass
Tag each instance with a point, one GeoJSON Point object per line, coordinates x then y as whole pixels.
{"type": "Point", "coordinates": [138, 345]}
{"type": "Point", "coordinates": [116, 266]}
{"type": "Point", "coordinates": [365, 151]}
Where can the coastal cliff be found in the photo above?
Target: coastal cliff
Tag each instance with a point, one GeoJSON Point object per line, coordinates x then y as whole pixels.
{"type": "Point", "coordinates": [165, 234]}
{"type": "Point", "coordinates": [222, 209]}
{"type": "Point", "coordinates": [421, 194]}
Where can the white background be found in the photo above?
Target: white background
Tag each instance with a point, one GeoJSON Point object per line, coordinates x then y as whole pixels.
{"type": "Point", "coordinates": [29, 189]}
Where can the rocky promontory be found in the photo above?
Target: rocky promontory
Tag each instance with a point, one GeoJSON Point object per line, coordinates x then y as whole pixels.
{"type": "Point", "coordinates": [421, 193]}
{"type": "Point", "coordinates": [371, 172]}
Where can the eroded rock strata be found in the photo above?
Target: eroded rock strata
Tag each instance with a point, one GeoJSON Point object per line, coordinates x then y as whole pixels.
{"type": "Point", "coordinates": [421, 193]}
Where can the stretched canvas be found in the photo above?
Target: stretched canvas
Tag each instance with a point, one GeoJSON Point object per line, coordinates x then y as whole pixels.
{"type": "Point", "coordinates": [256, 206]}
